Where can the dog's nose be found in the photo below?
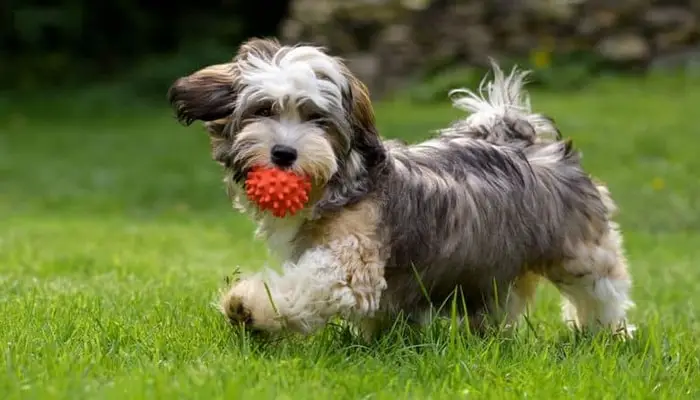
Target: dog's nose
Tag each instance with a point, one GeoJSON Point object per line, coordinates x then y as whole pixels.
{"type": "Point", "coordinates": [283, 156]}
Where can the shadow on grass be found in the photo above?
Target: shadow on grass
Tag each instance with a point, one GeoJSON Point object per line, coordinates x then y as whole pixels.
{"type": "Point", "coordinates": [407, 341]}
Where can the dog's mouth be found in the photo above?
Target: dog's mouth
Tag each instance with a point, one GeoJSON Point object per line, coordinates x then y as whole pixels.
{"type": "Point", "coordinates": [241, 174]}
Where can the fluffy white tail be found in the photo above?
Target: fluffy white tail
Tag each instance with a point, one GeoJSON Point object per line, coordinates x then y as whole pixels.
{"type": "Point", "coordinates": [502, 99]}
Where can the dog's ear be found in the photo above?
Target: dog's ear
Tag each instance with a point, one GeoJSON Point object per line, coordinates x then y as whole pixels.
{"type": "Point", "coordinates": [366, 139]}
{"type": "Point", "coordinates": [366, 163]}
{"type": "Point", "coordinates": [264, 48]}
{"type": "Point", "coordinates": [206, 95]}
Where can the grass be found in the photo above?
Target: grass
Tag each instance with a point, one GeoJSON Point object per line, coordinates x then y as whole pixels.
{"type": "Point", "coordinates": [115, 234]}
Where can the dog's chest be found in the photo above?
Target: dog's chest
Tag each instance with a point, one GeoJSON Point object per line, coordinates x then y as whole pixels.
{"type": "Point", "coordinates": [281, 235]}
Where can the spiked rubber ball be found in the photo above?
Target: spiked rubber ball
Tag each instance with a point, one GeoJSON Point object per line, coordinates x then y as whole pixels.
{"type": "Point", "coordinates": [281, 192]}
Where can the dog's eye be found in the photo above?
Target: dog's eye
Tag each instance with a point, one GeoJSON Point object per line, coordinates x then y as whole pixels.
{"type": "Point", "coordinates": [315, 117]}
{"type": "Point", "coordinates": [263, 112]}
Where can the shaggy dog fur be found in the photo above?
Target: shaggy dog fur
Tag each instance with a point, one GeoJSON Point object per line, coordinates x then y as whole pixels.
{"type": "Point", "coordinates": [487, 208]}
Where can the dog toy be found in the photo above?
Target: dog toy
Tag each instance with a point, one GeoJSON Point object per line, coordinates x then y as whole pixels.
{"type": "Point", "coordinates": [281, 192]}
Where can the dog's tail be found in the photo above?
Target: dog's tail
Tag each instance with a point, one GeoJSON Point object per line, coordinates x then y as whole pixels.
{"type": "Point", "coordinates": [500, 112]}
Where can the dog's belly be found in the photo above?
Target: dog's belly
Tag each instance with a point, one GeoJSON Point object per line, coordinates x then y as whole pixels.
{"type": "Point", "coordinates": [412, 289]}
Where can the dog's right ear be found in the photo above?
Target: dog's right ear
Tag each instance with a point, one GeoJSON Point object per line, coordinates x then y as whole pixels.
{"type": "Point", "coordinates": [206, 95]}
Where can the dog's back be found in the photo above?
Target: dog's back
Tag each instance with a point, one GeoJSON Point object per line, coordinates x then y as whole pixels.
{"type": "Point", "coordinates": [492, 194]}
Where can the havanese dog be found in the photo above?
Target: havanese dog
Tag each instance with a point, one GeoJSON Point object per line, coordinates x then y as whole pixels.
{"type": "Point", "coordinates": [487, 208]}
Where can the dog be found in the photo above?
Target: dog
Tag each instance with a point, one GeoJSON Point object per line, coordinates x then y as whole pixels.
{"type": "Point", "coordinates": [487, 208]}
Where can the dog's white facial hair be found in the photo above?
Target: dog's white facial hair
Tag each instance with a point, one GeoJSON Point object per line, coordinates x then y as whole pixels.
{"type": "Point", "coordinates": [315, 156]}
{"type": "Point", "coordinates": [293, 99]}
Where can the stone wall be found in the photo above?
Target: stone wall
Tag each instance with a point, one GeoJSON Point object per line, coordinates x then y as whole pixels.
{"type": "Point", "coordinates": [388, 41]}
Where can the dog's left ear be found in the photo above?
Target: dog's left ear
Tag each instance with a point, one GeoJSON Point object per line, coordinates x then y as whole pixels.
{"type": "Point", "coordinates": [206, 95]}
{"type": "Point", "coordinates": [366, 139]}
{"type": "Point", "coordinates": [361, 169]}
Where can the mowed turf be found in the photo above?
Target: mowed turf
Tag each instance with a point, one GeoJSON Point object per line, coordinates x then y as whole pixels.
{"type": "Point", "coordinates": [115, 235]}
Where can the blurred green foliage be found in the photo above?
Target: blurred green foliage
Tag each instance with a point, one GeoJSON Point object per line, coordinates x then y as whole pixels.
{"type": "Point", "coordinates": [552, 71]}
{"type": "Point", "coordinates": [141, 47]}
{"type": "Point", "coordinates": [70, 42]}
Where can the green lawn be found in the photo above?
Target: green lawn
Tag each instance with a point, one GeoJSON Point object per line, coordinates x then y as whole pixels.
{"type": "Point", "coordinates": [115, 234]}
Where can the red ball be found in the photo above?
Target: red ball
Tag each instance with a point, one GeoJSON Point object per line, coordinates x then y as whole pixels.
{"type": "Point", "coordinates": [281, 192]}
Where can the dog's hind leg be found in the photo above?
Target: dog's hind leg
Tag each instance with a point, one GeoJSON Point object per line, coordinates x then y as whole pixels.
{"type": "Point", "coordinates": [521, 295]}
{"type": "Point", "coordinates": [596, 285]}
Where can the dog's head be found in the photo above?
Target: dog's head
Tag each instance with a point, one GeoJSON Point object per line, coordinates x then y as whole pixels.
{"type": "Point", "coordinates": [293, 107]}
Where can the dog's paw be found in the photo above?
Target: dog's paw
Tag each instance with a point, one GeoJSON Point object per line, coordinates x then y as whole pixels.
{"type": "Point", "coordinates": [236, 312]}
{"type": "Point", "coordinates": [626, 332]}
{"type": "Point", "coordinates": [247, 303]}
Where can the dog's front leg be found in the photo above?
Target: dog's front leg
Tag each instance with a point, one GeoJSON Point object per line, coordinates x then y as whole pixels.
{"type": "Point", "coordinates": [343, 278]}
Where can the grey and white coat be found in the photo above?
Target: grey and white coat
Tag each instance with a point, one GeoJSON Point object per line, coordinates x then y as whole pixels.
{"type": "Point", "coordinates": [494, 203]}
